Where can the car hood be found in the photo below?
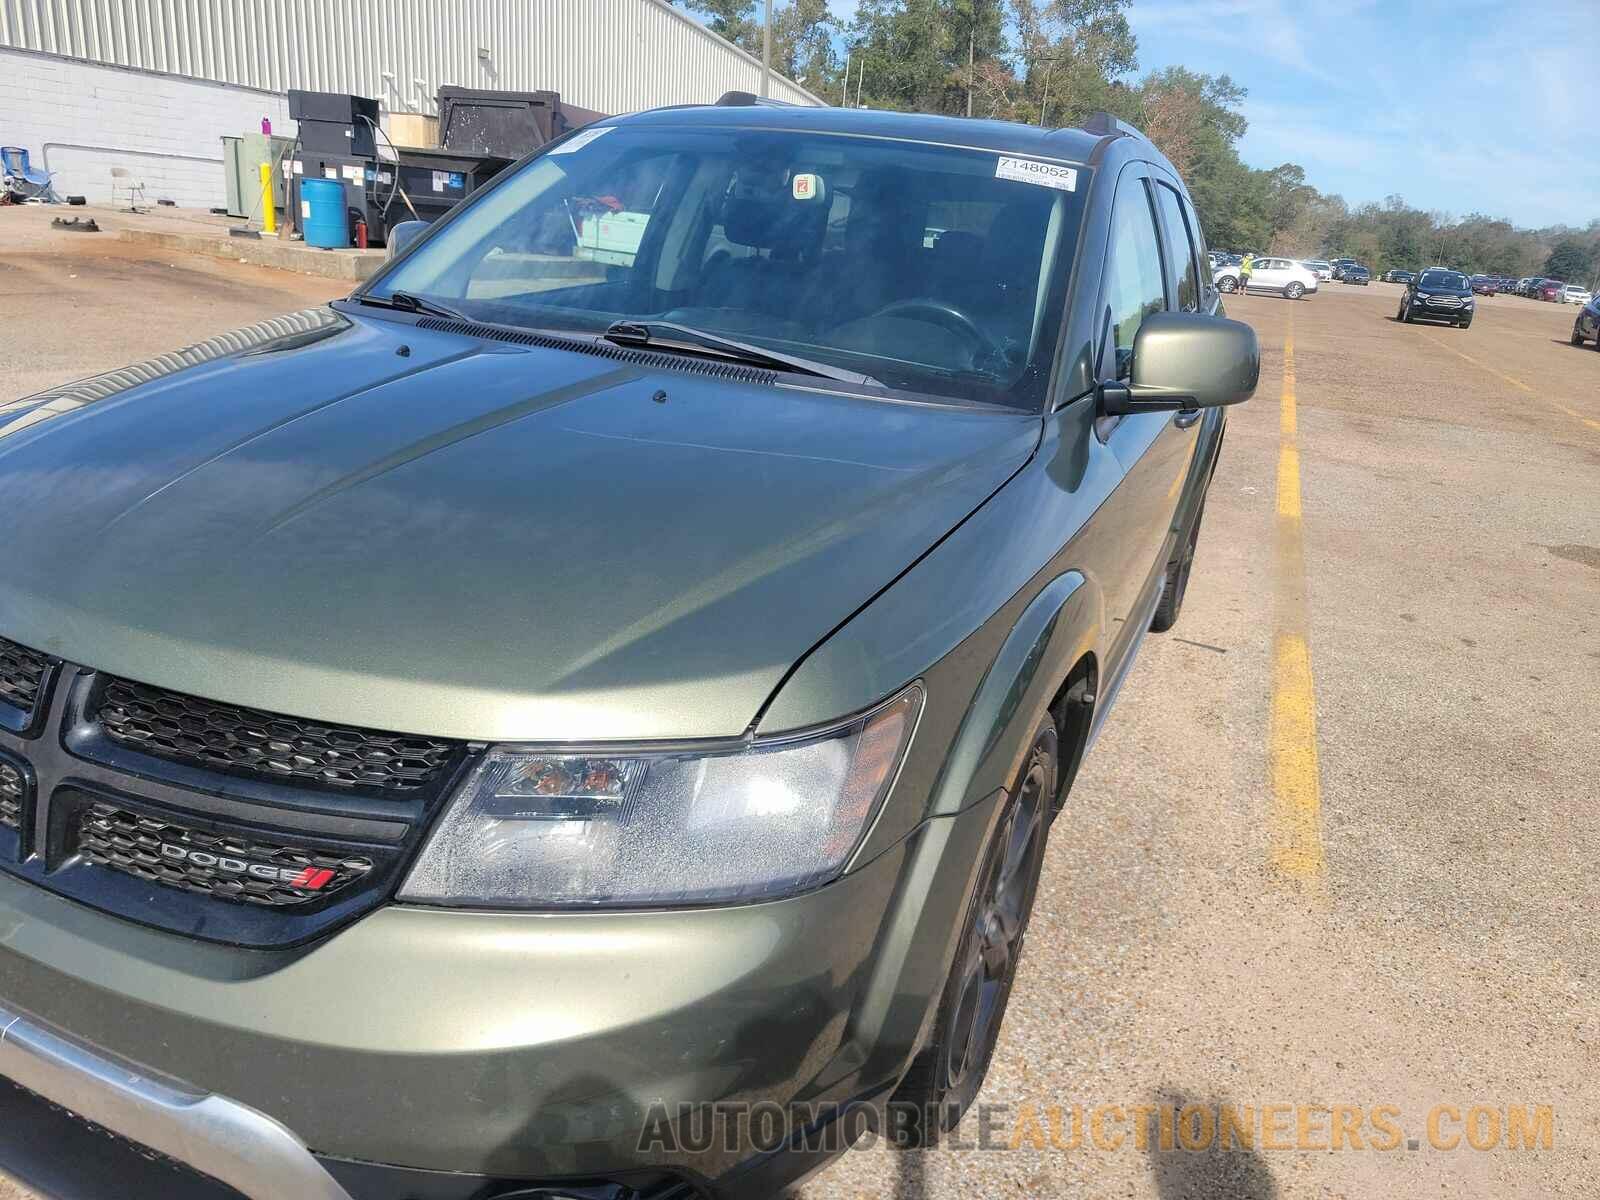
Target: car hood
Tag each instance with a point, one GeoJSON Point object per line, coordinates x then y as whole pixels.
{"type": "Point", "coordinates": [360, 520]}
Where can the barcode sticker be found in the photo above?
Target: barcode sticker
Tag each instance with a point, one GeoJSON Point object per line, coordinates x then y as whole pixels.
{"type": "Point", "coordinates": [579, 140]}
{"type": "Point", "coordinates": [1026, 170]}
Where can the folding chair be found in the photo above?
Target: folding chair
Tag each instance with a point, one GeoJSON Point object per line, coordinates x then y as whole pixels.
{"type": "Point", "coordinates": [124, 184]}
{"type": "Point", "coordinates": [21, 179]}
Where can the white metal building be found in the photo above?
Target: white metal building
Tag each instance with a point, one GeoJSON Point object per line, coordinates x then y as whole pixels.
{"type": "Point", "coordinates": [153, 85]}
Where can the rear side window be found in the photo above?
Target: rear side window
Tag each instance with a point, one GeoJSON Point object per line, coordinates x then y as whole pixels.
{"type": "Point", "coordinates": [1135, 287]}
{"type": "Point", "coordinates": [1183, 249]}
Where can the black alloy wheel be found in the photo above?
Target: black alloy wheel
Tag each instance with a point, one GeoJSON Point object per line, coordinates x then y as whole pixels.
{"type": "Point", "coordinates": [945, 1078]}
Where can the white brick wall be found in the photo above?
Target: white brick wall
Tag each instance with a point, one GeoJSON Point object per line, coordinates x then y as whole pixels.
{"type": "Point", "coordinates": [80, 120]}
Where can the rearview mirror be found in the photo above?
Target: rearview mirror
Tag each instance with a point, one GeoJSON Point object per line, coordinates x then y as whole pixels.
{"type": "Point", "coordinates": [403, 234]}
{"type": "Point", "coordinates": [1186, 362]}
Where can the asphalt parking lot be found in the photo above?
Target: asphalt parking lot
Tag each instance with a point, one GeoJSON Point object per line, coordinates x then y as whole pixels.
{"type": "Point", "coordinates": [1336, 847]}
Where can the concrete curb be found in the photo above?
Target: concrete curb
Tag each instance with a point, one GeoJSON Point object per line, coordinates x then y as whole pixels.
{"type": "Point", "coordinates": [354, 265]}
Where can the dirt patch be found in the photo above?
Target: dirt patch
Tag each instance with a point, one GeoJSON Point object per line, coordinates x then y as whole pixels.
{"type": "Point", "coordinates": [1588, 556]}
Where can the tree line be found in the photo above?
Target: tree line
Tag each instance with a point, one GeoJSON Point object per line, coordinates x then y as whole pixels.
{"type": "Point", "coordinates": [1053, 62]}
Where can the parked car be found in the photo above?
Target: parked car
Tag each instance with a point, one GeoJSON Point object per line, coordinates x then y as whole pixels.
{"type": "Point", "coordinates": [1397, 276]}
{"type": "Point", "coordinates": [1356, 273]}
{"type": "Point", "coordinates": [1483, 285]}
{"type": "Point", "coordinates": [1323, 269]}
{"type": "Point", "coordinates": [1587, 323]}
{"type": "Point", "coordinates": [457, 715]}
{"type": "Point", "coordinates": [1531, 288]}
{"type": "Point", "coordinates": [1576, 293]}
{"type": "Point", "coordinates": [1285, 276]}
{"type": "Point", "coordinates": [1551, 289]}
{"type": "Point", "coordinates": [1438, 294]}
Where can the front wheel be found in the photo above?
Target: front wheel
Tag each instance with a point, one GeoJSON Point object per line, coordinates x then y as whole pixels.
{"type": "Point", "coordinates": [945, 1078]}
{"type": "Point", "coordinates": [1295, 290]}
{"type": "Point", "coordinates": [1405, 312]}
{"type": "Point", "coordinates": [1228, 284]}
{"type": "Point", "coordinates": [1467, 324]}
{"type": "Point", "coordinates": [1577, 336]}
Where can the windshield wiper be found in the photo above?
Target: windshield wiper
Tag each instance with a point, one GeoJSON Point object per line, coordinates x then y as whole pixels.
{"type": "Point", "coordinates": [665, 335]}
{"type": "Point", "coordinates": [406, 302]}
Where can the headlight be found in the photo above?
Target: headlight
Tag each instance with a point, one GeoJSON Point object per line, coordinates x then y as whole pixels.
{"type": "Point", "coordinates": [543, 828]}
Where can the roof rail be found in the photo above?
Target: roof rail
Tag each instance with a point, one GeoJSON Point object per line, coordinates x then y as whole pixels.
{"type": "Point", "coordinates": [751, 100]}
{"type": "Point", "coordinates": [1104, 123]}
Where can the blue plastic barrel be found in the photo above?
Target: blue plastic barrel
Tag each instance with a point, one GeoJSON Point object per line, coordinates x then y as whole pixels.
{"type": "Point", "coordinates": [322, 214]}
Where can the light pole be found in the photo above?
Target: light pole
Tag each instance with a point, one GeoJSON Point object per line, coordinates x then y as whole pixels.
{"type": "Point", "coordinates": [766, 52]}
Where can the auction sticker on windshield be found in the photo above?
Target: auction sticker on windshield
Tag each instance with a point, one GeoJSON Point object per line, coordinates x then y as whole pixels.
{"type": "Point", "coordinates": [579, 140]}
{"type": "Point", "coordinates": [1044, 174]}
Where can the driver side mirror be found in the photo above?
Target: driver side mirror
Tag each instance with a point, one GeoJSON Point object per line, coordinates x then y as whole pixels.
{"type": "Point", "coordinates": [403, 234]}
{"type": "Point", "coordinates": [1186, 362]}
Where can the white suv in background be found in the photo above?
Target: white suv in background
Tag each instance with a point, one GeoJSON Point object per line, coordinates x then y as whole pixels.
{"type": "Point", "coordinates": [1323, 270]}
{"type": "Point", "coordinates": [1282, 275]}
{"type": "Point", "coordinates": [1576, 294]}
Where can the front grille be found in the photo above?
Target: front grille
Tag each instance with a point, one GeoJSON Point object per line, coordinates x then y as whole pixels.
{"type": "Point", "coordinates": [10, 797]}
{"type": "Point", "coordinates": [21, 674]}
{"type": "Point", "coordinates": [202, 733]}
{"type": "Point", "coordinates": [225, 866]}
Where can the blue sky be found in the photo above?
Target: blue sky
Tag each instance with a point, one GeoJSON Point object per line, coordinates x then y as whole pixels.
{"type": "Point", "coordinates": [1458, 105]}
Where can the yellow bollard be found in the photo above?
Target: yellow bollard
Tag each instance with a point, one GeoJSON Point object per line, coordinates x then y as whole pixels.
{"type": "Point", "coordinates": [269, 215]}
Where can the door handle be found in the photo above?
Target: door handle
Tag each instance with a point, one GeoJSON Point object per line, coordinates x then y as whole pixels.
{"type": "Point", "coordinates": [1185, 419]}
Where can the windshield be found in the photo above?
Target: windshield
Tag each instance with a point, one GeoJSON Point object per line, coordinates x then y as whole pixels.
{"type": "Point", "coordinates": [1449, 280]}
{"type": "Point", "coordinates": [930, 268]}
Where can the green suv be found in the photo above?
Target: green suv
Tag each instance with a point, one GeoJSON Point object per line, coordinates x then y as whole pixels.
{"type": "Point", "coordinates": [613, 674]}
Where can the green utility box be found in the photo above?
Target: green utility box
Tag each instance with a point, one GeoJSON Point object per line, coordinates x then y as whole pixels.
{"type": "Point", "coordinates": [241, 169]}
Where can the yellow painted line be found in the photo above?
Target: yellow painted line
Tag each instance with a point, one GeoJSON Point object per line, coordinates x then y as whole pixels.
{"type": "Point", "coordinates": [1288, 422]}
{"type": "Point", "coordinates": [1289, 482]}
{"type": "Point", "coordinates": [1297, 851]}
{"type": "Point", "coordinates": [1512, 380]}
{"type": "Point", "coordinates": [1295, 835]}
{"type": "Point", "coordinates": [1578, 416]}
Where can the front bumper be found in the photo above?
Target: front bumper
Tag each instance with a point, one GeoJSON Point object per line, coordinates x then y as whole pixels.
{"type": "Point", "coordinates": [222, 1138]}
{"type": "Point", "coordinates": [1443, 312]}
{"type": "Point", "coordinates": [519, 1048]}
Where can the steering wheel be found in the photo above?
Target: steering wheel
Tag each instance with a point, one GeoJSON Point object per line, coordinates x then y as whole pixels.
{"type": "Point", "coordinates": [946, 315]}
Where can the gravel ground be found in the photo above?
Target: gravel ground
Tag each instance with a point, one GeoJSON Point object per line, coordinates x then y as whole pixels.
{"type": "Point", "coordinates": [1451, 604]}
{"type": "Point", "coordinates": [78, 303]}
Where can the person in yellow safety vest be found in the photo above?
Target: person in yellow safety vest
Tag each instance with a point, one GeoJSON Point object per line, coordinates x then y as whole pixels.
{"type": "Point", "coordinates": [1245, 267]}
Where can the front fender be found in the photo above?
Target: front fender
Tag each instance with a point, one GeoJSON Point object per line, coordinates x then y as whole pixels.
{"type": "Point", "coordinates": [1059, 627]}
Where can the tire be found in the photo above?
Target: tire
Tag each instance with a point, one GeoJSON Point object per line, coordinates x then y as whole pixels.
{"type": "Point", "coordinates": [1577, 336]}
{"type": "Point", "coordinates": [946, 1076]}
{"type": "Point", "coordinates": [1404, 314]}
{"type": "Point", "coordinates": [1228, 284]}
{"type": "Point", "coordinates": [1467, 324]}
{"type": "Point", "coordinates": [1166, 614]}
{"type": "Point", "coordinates": [1295, 290]}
